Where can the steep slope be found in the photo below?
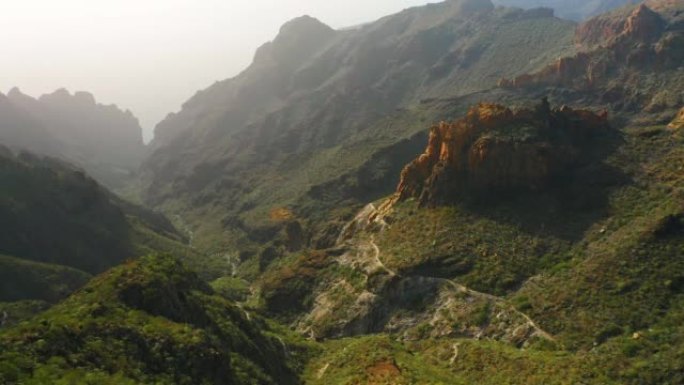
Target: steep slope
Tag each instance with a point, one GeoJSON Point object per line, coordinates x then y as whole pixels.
{"type": "Point", "coordinates": [59, 227]}
{"type": "Point", "coordinates": [52, 212]}
{"type": "Point", "coordinates": [104, 140]}
{"type": "Point", "coordinates": [295, 123]}
{"type": "Point", "coordinates": [150, 321]}
{"type": "Point", "coordinates": [574, 10]}
{"type": "Point", "coordinates": [590, 272]}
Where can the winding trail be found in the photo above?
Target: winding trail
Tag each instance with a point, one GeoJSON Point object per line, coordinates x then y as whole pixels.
{"type": "Point", "coordinates": [463, 289]}
{"type": "Point", "coordinates": [352, 238]}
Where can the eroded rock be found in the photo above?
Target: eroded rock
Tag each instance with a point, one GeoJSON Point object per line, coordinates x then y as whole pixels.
{"type": "Point", "coordinates": [496, 148]}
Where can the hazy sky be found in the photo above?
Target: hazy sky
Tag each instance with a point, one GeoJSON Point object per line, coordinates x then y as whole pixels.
{"type": "Point", "coordinates": [150, 56]}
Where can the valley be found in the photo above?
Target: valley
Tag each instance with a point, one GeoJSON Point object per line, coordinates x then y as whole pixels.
{"type": "Point", "coordinates": [464, 192]}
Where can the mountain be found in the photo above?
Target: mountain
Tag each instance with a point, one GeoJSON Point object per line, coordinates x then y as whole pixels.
{"type": "Point", "coordinates": [455, 194]}
{"type": "Point", "coordinates": [578, 10]}
{"type": "Point", "coordinates": [149, 321]}
{"type": "Point", "coordinates": [324, 118]}
{"type": "Point", "coordinates": [104, 140]}
{"type": "Point", "coordinates": [543, 228]}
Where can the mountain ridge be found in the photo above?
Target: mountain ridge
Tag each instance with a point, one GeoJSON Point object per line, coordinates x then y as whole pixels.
{"type": "Point", "coordinates": [103, 139]}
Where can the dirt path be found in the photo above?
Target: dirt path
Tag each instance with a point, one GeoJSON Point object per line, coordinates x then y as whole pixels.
{"type": "Point", "coordinates": [371, 260]}
{"type": "Point", "coordinates": [463, 289]}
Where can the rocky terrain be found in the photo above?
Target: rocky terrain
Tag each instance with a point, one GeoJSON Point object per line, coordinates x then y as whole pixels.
{"type": "Point", "coordinates": [613, 48]}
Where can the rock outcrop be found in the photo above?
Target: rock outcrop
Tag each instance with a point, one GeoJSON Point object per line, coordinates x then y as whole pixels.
{"type": "Point", "coordinates": [609, 45]}
{"type": "Point", "coordinates": [642, 24]}
{"type": "Point", "coordinates": [496, 148]}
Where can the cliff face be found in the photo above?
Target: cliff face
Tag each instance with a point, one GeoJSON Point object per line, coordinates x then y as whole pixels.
{"type": "Point", "coordinates": [496, 148]}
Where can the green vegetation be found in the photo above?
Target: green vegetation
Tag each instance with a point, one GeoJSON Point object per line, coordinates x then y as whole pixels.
{"type": "Point", "coordinates": [486, 254]}
{"type": "Point", "coordinates": [150, 321]}
{"type": "Point", "coordinates": [383, 360]}
{"type": "Point", "coordinates": [580, 281]}
{"type": "Point", "coordinates": [56, 216]}
{"type": "Point", "coordinates": [322, 149]}
{"type": "Point", "coordinates": [21, 280]}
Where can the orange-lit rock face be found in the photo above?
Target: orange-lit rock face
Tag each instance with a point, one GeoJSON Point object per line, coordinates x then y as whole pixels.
{"type": "Point", "coordinates": [678, 122]}
{"type": "Point", "coordinates": [494, 148]}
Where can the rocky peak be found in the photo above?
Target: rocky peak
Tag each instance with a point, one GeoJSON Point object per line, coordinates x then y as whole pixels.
{"type": "Point", "coordinates": [640, 25]}
{"type": "Point", "coordinates": [495, 148]}
{"type": "Point", "coordinates": [297, 40]}
{"type": "Point", "coordinates": [644, 24]}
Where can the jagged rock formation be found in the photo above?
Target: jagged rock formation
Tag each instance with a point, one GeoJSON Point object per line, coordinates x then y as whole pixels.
{"type": "Point", "coordinates": [611, 45]}
{"type": "Point", "coordinates": [642, 24]}
{"type": "Point", "coordinates": [495, 148]}
{"type": "Point", "coordinates": [104, 140]}
{"type": "Point", "coordinates": [678, 122]}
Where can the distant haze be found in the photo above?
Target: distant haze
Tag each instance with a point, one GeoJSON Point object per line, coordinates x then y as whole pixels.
{"type": "Point", "coordinates": [150, 56]}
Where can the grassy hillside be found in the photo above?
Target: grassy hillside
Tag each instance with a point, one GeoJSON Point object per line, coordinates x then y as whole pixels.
{"type": "Point", "coordinates": [150, 321]}
{"type": "Point", "coordinates": [54, 213]}
{"type": "Point", "coordinates": [59, 226]}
